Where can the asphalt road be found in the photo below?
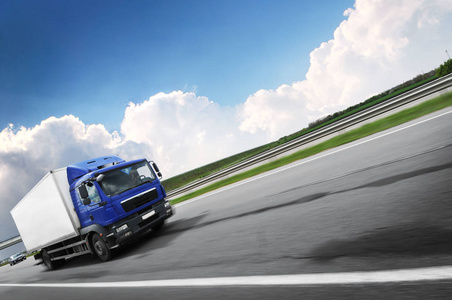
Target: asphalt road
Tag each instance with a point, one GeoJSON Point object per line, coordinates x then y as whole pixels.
{"type": "Point", "coordinates": [382, 203]}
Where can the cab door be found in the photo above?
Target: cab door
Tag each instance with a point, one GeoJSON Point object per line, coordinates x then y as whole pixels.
{"type": "Point", "coordinates": [95, 211]}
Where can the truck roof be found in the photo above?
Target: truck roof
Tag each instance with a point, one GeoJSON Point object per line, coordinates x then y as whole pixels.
{"type": "Point", "coordinates": [77, 170]}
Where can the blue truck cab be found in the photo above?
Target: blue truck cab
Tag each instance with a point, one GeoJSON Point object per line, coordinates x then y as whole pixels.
{"type": "Point", "coordinates": [116, 200]}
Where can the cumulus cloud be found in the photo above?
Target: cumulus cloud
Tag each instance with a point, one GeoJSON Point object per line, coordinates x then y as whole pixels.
{"type": "Point", "coordinates": [185, 131]}
{"type": "Point", "coordinates": [380, 44]}
{"type": "Point", "coordinates": [275, 112]}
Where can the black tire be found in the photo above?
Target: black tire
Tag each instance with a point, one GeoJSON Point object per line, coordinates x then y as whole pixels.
{"type": "Point", "coordinates": [100, 247]}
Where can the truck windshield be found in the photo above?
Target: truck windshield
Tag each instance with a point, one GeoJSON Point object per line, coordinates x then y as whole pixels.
{"type": "Point", "coordinates": [120, 180]}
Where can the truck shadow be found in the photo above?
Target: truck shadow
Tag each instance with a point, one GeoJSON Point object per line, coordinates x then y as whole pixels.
{"type": "Point", "coordinates": [148, 241]}
{"type": "Point", "coordinates": [153, 240]}
{"type": "Point", "coordinates": [409, 240]}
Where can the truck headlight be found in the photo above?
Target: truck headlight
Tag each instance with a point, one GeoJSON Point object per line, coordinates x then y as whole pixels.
{"type": "Point", "coordinates": [122, 228]}
{"type": "Point", "coordinates": [167, 204]}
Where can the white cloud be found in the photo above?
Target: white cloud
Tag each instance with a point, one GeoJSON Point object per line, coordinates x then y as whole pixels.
{"type": "Point", "coordinates": [184, 131]}
{"type": "Point", "coordinates": [380, 45]}
{"type": "Point", "coordinates": [275, 112]}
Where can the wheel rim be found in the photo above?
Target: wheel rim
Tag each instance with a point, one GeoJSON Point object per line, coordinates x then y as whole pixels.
{"type": "Point", "coordinates": [99, 248]}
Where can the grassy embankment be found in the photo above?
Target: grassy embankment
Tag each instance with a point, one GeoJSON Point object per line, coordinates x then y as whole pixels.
{"type": "Point", "coordinates": [366, 130]}
{"type": "Point", "coordinates": [201, 172]}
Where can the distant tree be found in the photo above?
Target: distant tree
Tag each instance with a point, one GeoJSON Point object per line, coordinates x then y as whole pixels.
{"type": "Point", "coordinates": [444, 69]}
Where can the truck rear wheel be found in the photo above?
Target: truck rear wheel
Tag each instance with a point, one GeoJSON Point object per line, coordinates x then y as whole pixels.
{"type": "Point", "coordinates": [47, 261]}
{"type": "Point", "coordinates": [100, 247]}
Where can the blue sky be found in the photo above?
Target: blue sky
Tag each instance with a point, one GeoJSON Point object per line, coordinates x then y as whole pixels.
{"type": "Point", "coordinates": [90, 58]}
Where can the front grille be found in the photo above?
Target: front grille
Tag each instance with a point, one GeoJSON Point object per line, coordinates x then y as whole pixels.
{"type": "Point", "coordinates": [140, 200]}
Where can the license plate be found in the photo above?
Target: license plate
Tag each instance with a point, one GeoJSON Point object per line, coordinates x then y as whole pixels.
{"type": "Point", "coordinates": [149, 214]}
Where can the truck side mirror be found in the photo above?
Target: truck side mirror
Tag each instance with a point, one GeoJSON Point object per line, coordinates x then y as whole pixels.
{"type": "Point", "coordinates": [83, 192]}
{"type": "Point", "coordinates": [100, 177]}
{"type": "Point", "coordinates": [154, 165]}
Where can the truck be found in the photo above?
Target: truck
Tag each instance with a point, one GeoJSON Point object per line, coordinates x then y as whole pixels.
{"type": "Point", "coordinates": [91, 207]}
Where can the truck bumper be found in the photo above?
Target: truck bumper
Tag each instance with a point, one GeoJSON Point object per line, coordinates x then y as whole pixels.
{"type": "Point", "coordinates": [139, 223]}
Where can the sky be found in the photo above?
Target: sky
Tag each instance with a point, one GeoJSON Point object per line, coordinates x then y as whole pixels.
{"type": "Point", "coordinates": [185, 83]}
{"type": "Point", "coordinates": [86, 57]}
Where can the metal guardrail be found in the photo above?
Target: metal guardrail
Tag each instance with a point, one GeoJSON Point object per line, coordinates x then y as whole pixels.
{"type": "Point", "coordinates": [366, 114]}
{"type": "Point", "coordinates": [10, 242]}
{"type": "Point", "coordinates": [371, 112]}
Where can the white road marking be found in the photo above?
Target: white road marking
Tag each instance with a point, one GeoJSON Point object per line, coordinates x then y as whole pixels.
{"type": "Point", "coordinates": [374, 277]}
{"type": "Point", "coordinates": [304, 161]}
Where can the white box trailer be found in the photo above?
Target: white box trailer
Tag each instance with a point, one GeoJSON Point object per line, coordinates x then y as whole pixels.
{"type": "Point", "coordinates": [48, 221]}
{"type": "Point", "coordinates": [46, 215]}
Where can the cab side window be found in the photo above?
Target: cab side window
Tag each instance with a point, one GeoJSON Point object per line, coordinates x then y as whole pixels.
{"type": "Point", "coordinates": [93, 195]}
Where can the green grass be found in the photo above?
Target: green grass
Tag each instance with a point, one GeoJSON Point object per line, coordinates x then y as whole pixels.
{"type": "Point", "coordinates": [367, 104]}
{"type": "Point", "coordinates": [352, 135]}
{"type": "Point", "coordinates": [201, 172]}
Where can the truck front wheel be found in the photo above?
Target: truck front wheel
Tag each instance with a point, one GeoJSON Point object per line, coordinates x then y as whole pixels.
{"type": "Point", "coordinates": [100, 248]}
